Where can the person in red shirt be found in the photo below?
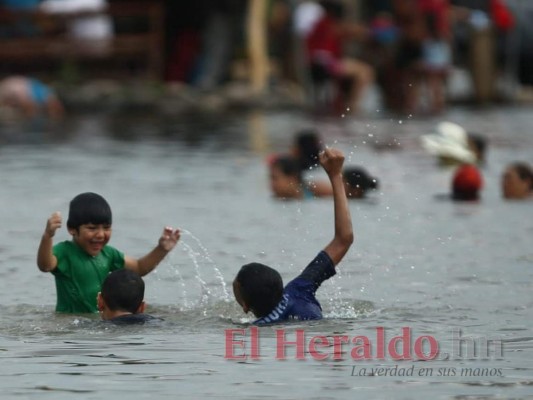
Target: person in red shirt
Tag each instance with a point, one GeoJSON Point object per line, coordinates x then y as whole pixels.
{"type": "Point", "coordinates": [325, 49]}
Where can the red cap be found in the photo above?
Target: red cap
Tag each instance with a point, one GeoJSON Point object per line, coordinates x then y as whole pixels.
{"type": "Point", "coordinates": [467, 181]}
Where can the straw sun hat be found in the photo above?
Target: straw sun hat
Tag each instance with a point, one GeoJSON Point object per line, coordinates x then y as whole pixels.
{"type": "Point", "coordinates": [449, 141]}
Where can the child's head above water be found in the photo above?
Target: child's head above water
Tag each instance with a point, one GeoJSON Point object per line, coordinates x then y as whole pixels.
{"type": "Point", "coordinates": [122, 294]}
{"type": "Point", "coordinates": [357, 182]}
{"type": "Point", "coordinates": [258, 288]}
{"type": "Point", "coordinates": [89, 222]}
{"type": "Point", "coordinates": [285, 177]}
{"type": "Point", "coordinates": [517, 181]}
{"type": "Point", "coordinates": [123, 290]}
{"type": "Point", "coordinates": [307, 145]}
{"type": "Point", "coordinates": [88, 208]}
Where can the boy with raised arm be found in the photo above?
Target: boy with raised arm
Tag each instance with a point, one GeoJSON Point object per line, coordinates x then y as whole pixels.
{"type": "Point", "coordinates": [259, 288]}
{"type": "Point", "coordinates": [80, 266]}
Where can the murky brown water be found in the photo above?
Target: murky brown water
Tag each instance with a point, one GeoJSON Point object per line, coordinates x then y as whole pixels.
{"type": "Point", "coordinates": [433, 266]}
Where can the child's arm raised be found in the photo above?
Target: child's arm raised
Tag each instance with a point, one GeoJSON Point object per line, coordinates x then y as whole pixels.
{"type": "Point", "coordinates": [146, 264]}
{"type": "Point", "coordinates": [332, 160]}
{"type": "Point", "coordinates": [46, 261]}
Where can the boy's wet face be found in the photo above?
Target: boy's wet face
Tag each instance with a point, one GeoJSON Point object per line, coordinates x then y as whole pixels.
{"type": "Point", "coordinates": [92, 237]}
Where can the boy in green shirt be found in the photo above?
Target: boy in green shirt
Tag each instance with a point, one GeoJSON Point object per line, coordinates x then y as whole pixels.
{"type": "Point", "coordinates": [81, 265]}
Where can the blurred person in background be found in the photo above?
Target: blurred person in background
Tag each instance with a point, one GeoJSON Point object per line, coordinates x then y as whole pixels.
{"type": "Point", "coordinates": [423, 54]}
{"type": "Point", "coordinates": [184, 24]}
{"type": "Point", "coordinates": [436, 52]}
{"type": "Point", "coordinates": [517, 181]}
{"type": "Point", "coordinates": [467, 183]}
{"type": "Point", "coordinates": [30, 98]}
{"type": "Point", "coordinates": [481, 33]}
{"type": "Point", "coordinates": [325, 52]}
{"type": "Point", "coordinates": [287, 182]}
{"type": "Point", "coordinates": [286, 178]}
{"type": "Point", "coordinates": [358, 182]}
{"type": "Point", "coordinates": [217, 42]}
{"type": "Point", "coordinates": [307, 145]}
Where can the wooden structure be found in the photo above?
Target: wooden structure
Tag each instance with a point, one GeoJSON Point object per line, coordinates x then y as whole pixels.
{"type": "Point", "coordinates": [138, 39]}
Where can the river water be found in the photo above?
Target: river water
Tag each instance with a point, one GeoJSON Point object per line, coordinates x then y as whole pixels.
{"type": "Point", "coordinates": [451, 275]}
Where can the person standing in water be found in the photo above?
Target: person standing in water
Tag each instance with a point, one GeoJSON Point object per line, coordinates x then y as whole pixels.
{"type": "Point", "coordinates": [80, 265]}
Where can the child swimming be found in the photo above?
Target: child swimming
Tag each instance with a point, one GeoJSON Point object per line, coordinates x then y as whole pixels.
{"type": "Point", "coordinates": [259, 288]}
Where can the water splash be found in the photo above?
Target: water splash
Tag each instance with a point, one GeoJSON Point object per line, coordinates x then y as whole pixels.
{"type": "Point", "coordinates": [186, 304]}
{"type": "Point", "coordinates": [344, 309]}
{"type": "Point", "coordinates": [198, 276]}
{"type": "Point", "coordinates": [217, 271]}
{"type": "Point", "coordinates": [212, 286]}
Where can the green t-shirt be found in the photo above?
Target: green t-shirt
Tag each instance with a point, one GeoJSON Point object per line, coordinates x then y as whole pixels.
{"type": "Point", "coordinates": [79, 276]}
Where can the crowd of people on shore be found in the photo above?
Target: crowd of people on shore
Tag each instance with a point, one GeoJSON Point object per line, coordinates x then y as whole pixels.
{"type": "Point", "coordinates": [335, 49]}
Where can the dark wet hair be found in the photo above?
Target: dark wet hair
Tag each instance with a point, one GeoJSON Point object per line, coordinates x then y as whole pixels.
{"type": "Point", "coordinates": [288, 165]}
{"type": "Point", "coordinates": [123, 290]}
{"type": "Point", "coordinates": [261, 287]}
{"type": "Point", "coordinates": [524, 171]}
{"type": "Point", "coordinates": [480, 143]}
{"type": "Point", "coordinates": [308, 144]}
{"type": "Point", "coordinates": [88, 208]}
{"type": "Point", "coordinates": [358, 178]}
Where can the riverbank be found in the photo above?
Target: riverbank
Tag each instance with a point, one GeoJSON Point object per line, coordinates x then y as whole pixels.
{"type": "Point", "coordinates": [176, 99]}
{"type": "Point", "coordinates": [170, 100]}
